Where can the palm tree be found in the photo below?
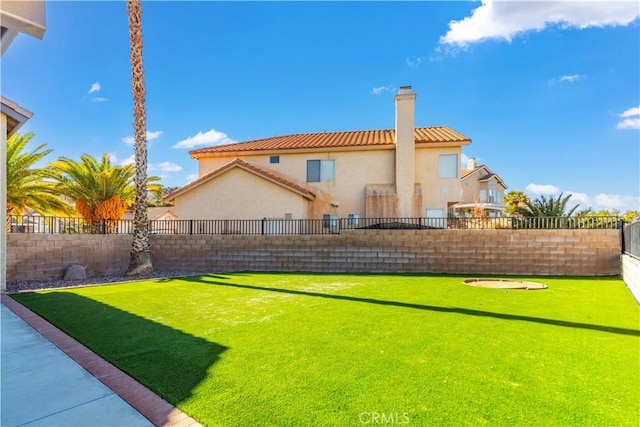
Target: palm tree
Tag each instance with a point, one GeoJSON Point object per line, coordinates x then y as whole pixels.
{"type": "Point", "coordinates": [551, 207]}
{"type": "Point", "coordinates": [514, 199]}
{"type": "Point", "coordinates": [26, 189]}
{"type": "Point", "coordinates": [102, 191]}
{"type": "Point", "coordinates": [140, 260]}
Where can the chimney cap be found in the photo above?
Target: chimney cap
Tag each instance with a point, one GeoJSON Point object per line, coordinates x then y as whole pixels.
{"type": "Point", "coordinates": [404, 89]}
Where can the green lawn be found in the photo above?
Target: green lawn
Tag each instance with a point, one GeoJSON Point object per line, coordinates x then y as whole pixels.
{"type": "Point", "coordinates": [253, 349]}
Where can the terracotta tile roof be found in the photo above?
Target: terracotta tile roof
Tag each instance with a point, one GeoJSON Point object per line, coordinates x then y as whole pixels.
{"type": "Point", "coordinates": [263, 173]}
{"type": "Point", "coordinates": [362, 138]}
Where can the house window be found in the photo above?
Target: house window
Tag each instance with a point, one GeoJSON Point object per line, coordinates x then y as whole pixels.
{"type": "Point", "coordinates": [448, 166]}
{"type": "Point", "coordinates": [353, 220]}
{"type": "Point", "coordinates": [321, 170]}
{"type": "Point", "coordinates": [274, 159]}
{"type": "Point", "coordinates": [483, 196]}
{"type": "Point", "coordinates": [330, 220]}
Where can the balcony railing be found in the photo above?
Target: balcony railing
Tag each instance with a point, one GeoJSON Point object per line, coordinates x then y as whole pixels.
{"type": "Point", "coordinates": [70, 225]}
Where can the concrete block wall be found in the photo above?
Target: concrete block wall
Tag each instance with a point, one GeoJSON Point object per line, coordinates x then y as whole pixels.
{"type": "Point", "coordinates": [536, 252]}
{"type": "Point", "coordinates": [631, 274]}
{"type": "Point", "coordinates": [46, 256]}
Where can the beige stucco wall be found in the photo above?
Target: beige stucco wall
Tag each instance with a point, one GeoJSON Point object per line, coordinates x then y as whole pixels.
{"type": "Point", "coordinates": [238, 194]}
{"type": "Point", "coordinates": [436, 192]}
{"type": "Point", "coordinates": [354, 170]}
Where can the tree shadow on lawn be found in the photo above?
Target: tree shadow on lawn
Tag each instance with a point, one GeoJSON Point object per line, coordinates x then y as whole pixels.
{"type": "Point", "coordinates": [169, 362]}
{"type": "Point", "coordinates": [466, 311]}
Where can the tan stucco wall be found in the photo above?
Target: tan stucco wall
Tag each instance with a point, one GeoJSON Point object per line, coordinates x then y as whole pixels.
{"type": "Point", "coordinates": [436, 192]}
{"type": "Point", "coordinates": [238, 194]}
{"type": "Point", "coordinates": [354, 171]}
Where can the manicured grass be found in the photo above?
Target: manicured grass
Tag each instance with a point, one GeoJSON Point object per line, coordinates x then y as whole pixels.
{"type": "Point", "coordinates": [313, 349]}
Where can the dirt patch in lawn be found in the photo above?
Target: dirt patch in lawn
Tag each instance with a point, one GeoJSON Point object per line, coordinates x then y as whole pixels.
{"type": "Point", "coordinates": [504, 284]}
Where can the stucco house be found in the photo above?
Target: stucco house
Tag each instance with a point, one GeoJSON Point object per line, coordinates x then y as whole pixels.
{"type": "Point", "coordinates": [403, 172]}
{"type": "Point", "coordinates": [482, 192]}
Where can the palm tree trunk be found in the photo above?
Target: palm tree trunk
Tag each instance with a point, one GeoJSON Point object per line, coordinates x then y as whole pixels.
{"type": "Point", "coordinates": [140, 261]}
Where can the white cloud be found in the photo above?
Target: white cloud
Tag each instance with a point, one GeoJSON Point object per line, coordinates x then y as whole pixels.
{"type": "Point", "coordinates": [414, 62]}
{"type": "Point", "coordinates": [94, 87]}
{"type": "Point", "coordinates": [582, 198]}
{"type": "Point", "coordinates": [504, 20]}
{"type": "Point", "coordinates": [151, 135]}
{"type": "Point", "coordinates": [542, 189]}
{"type": "Point", "coordinates": [635, 111]}
{"type": "Point", "coordinates": [629, 124]}
{"type": "Point", "coordinates": [98, 99]}
{"type": "Point", "coordinates": [212, 137]}
{"type": "Point", "coordinates": [382, 89]}
{"type": "Point", "coordinates": [165, 167]}
{"type": "Point", "coordinates": [616, 201]}
{"type": "Point", "coordinates": [631, 119]}
{"type": "Point", "coordinates": [566, 79]}
{"type": "Point", "coordinates": [192, 177]}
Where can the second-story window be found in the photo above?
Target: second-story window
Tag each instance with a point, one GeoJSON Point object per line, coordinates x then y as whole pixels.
{"type": "Point", "coordinates": [321, 170]}
{"type": "Point", "coordinates": [274, 159]}
{"type": "Point", "coordinates": [448, 166]}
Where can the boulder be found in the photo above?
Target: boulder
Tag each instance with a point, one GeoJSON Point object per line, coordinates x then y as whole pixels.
{"type": "Point", "coordinates": [75, 272]}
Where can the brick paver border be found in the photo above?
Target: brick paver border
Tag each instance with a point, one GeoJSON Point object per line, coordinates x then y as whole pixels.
{"type": "Point", "coordinates": [150, 405]}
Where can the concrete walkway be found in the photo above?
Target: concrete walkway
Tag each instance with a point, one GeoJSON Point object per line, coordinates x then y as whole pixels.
{"type": "Point", "coordinates": [65, 384]}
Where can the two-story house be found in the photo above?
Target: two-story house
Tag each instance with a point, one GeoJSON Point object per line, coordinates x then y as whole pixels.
{"type": "Point", "coordinates": [401, 172]}
{"type": "Point", "coordinates": [482, 192]}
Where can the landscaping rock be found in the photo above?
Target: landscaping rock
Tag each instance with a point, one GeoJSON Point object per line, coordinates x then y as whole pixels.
{"type": "Point", "coordinates": [75, 272]}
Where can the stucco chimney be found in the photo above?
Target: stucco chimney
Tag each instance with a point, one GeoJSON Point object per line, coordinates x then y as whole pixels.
{"type": "Point", "coordinates": [405, 150]}
{"type": "Point", "coordinates": [471, 164]}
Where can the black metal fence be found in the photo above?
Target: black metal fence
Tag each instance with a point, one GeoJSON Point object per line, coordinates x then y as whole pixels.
{"type": "Point", "coordinates": [60, 225]}
{"type": "Point", "coordinates": [631, 239]}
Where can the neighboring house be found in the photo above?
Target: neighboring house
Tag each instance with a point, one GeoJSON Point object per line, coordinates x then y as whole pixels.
{"type": "Point", "coordinates": [160, 213]}
{"type": "Point", "coordinates": [482, 192]}
{"type": "Point", "coordinates": [401, 172]}
{"type": "Point", "coordinates": [16, 17]}
{"type": "Point", "coordinates": [161, 218]}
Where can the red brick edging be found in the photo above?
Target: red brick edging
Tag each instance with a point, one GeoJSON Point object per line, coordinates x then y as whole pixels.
{"type": "Point", "coordinates": [150, 405]}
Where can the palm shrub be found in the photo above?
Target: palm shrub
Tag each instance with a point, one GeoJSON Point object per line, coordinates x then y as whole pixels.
{"type": "Point", "coordinates": [552, 207]}
{"type": "Point", "coordinates": [101, 190]}
{"type": "Point", "coordinates": [27, 190]}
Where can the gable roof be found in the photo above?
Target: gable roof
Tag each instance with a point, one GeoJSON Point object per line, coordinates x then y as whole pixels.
{"type": "Point", "coordinates": [362, 138]}
{"type": "Point", "coordinates": [486, 176]}
{"type": "Point", "coordinates": [249, 167]}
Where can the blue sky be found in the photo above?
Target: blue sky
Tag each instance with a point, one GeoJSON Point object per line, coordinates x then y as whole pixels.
{"type": "Point", "coordinates": [549, 92]}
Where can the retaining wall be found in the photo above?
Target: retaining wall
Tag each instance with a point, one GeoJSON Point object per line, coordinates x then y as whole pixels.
{"type": "Point", "coordinates": [631, 274]}
{"type": "Point", "coordinates": [535, 252]}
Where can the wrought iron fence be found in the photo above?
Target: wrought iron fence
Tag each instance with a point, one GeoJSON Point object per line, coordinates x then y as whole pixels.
{"type": "Point", "coordinates": [631, 239]}
{"type": "Point", "coordinates": [69, 225]}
